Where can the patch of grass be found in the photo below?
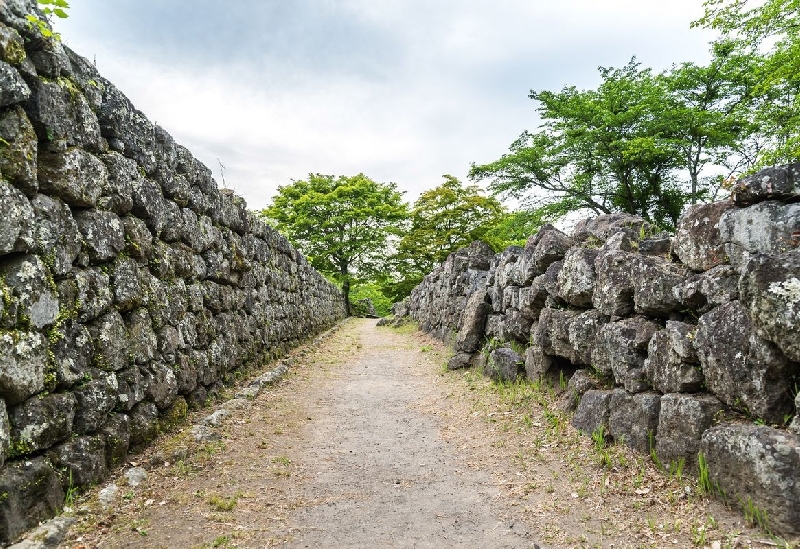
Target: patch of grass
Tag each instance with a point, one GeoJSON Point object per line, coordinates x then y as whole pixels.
{"type": "Point", "coordinates": [704, 484]}
{"type": "Point", "coordinates": [755, 516]}
{"type": "Point", "coordinates": [283, 460]}
{"type": "Point", "coordinates": [221, 503]}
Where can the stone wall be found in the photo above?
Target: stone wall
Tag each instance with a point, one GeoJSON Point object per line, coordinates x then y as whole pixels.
{"type": "Point", "coordinates": [132, 286]}
{"type": "Point", "coordinates": [690, 342]}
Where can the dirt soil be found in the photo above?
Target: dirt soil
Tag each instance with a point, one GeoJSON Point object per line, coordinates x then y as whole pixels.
{"type": "Point", "coordinates": [370, 442]}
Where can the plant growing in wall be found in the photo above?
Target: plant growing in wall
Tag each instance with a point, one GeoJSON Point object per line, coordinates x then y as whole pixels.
{"type": "Point", "coordinates": [50, 8]}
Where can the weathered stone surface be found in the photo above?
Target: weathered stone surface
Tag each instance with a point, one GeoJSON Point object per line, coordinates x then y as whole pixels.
{"type": "Point", "coordinates": [56, 233]}
{"type": "Point", "coordinates": [13, 88]}
{"type": "Point", "coordinates": [61, 116]}
{"type": "Point", "coordinates": [757, 465]}
{"type": "Point", "coordinates": [110, 341]}
{"type": "Point", "coordinates": [576, 279]}
{"type": "Point", "coordinates": [621, 349]}
{"type": "Point", "coordinates": [633, 419]}
{"type": "Point", "coordinates": [29, 285]}
{"type": "Point", "coordinates": [698, 242]}
{"type": "Point", "coordinates": [138, 238]}
{"type": "Point", "coordinates": [41, 422]}
{"type": "Point", "coordinates": [72, 352]}
{"type": "Point", "coordinates": [144, 424]}
{"type": "Point", "coordinates": [579, 383]}
{"type": "Point", "coordinates": [795, 425]}
{"type": "Point", "coordinates": [16, 225]}
{"type": "Point", "coordinates": [12, 48]}
{"type": "Point", "coordinates": [682, 422]}
{"type": "Point", "coordinates": [541, 250]}
{"type": "Point", "coordinates": [537, 364]}
{"type": "Point", "coordinates": [765, 228]}
{"type": "Point", "coordinates": [672, 365]}
{"type": "Point", "coordinates": [5, 432]}
{"type": "Point", "coordinates": [704, 291]}
{"type": "Point", "coordinates": [103, 234]}
{"type": "Point", "coordinates": [160, 383]}
{"type": "Point", "coordinates": [94, 294]}
{"type": "Point", "coordinates": [33, 493]}
{"type": "Point", "coordinates": [95, 397]}
{"type": "Point", "coordinates": [613, 292]}
{"type": "Point", "coordinates": [504, 364]}
{"type": "Point", "coordinates": [123, 175]}
{"type": "Point", "coordinates": [473, 323]}
{"type": "Point", "coordinates": [18, 155]}
{"type": "Point", "coordinates": [658, 244]}
{"type": "Point", "coordinates": [775, 183]}
{"type": "Point", "coordinates": [771, 293]}
{"type": "Point", "coordinates": [582, 334]}
{"type": "Point", "coordinates": [131, 387]}
{"type": "Point", "coordinates": [593, 411]}
{"type": "Point", "coordinates": [84, 459]}
{"type": "Point", "coordinates": [126, 284]}
{"type": "Point", "coordinates": [551, 334]}
{"type": "Point", "coordinates": [604, 227]}
{"type": "Point", "coordinates": [75, 176]}
{"type": "Point", "coordinates": [744, 371]}
{"type": "Point", "coordinates": [49, 534]}
{"type": "Point", "coordinates": [23, 361]}
{"type": "Point", "coordinates": [117, 435]}
{"type": "Point", "coordinates": [653, 281]}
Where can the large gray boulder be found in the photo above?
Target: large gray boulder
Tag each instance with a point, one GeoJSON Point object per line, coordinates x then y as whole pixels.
{"type": "Point", "coordinates": [17, 223]}
{"type": "Point", "coordinates": [756, 466]}
{"type": "Point", "coordinates": [633, 419]}
{"type": "Point", "coordinates": [775, 183]}
{"type": "Point", "coordinates": [672, 365]}
{"type": "Point", "coordinates": [75, 176]}
{"type": "Point", "coordinates": [603, 227]}
{"type": "Point", "coordinates": [41, 422]}
{"type": "Point", "coordinates": [56, 233]}
{"type": "Point", "coordinates": [541, 250]}
{"type": "Point", "coordinates": [771, 293]}
{"type": "Point", "coordinates": [653, 281]}
{"type": "Point", "coordinates": [682, 421]}
{"type": "Point", "coordinates": [18, 156]}
{"type": "Point", "coordinates": [551, 334]}
{"type": "Point", "coordinates": [582, 335]}
{"type": "Point", "coordinates": [576, 279]}
{"type": "Point", "coordinates": [504, 364]}
{"type": "Point", "coordinates": [621, 349]}
{"type": "Point", "coordinates": [698, 242]}
{"type": "Point", "coordinates": [83, 459]}
{"type": "Point", "coordinates": [33, 494]}
{"type": "Point", "coordinates": [613, 292]}
{"type": "Point", "coordinates": [103, 234]}
{"type": "Point", "coordinates": [31, 289]}
{"type": "Point", "coordinates": [13, 88]}
{"type": "Point", "coordinates": [23, 361]}
{"type": "Point", "coordinates": [765, 228]}
{"type": "Point", "coordinates": [743, 370]}
{"type": "Point", "coordinates": [702, 292]}
{"type": "Point", "coordinates": [593, 411]}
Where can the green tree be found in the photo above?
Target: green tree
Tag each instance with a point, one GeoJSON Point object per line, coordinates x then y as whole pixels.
{"type": "Point", "coordinates": [442, 220]}
{"type": "Point", "coordinates": [604, 150]}
{"type": "Point", "coordinates": [770, 29]}
{"type": "Point", "coordinates": [341, 224]}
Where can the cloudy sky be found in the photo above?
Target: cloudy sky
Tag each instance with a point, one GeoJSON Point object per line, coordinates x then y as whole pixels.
{"type": "Point", "coordinates": [401, 90]}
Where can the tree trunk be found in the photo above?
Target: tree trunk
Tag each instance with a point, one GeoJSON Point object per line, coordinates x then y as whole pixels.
{"type": "Point", "coordinates": [346, 295]}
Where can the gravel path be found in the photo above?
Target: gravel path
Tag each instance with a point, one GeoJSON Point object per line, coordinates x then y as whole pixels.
{"type": "Point", "coordinates": [380, 471]}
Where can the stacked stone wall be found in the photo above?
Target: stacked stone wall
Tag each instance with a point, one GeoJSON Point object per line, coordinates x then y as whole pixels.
{"type": "Point", "coordinates": [132, 286]}
{"type": "Point", "coordinates": [692, 340]}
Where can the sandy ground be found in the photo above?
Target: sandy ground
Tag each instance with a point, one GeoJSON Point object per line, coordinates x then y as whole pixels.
{"type": "Point", "coordinates": [370, 442]}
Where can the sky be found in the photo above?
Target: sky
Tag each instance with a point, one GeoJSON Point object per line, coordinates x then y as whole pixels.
{"type": "Point", "coordinates": [404, 91]}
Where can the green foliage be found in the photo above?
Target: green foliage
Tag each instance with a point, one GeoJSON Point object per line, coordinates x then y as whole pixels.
{"type": "Point", "coordinates": [603, 150]}
{"type": "Point", "coordinates": [768, 31]}
{"type": "Point", "coordinates": [442, 220]}
{"type": "Point", "coordinates": [342, 225]}
{"type": "Point", "coordinates": [50, 8]}
{"type": "Point", "coordinates": [373, 292]}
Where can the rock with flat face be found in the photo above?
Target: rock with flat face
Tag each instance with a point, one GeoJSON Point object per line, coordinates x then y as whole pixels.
{"type": "Point", "coordinates": [541, 250]}
{"type": "Point", "coordinates": [23, 361]}
{"type": "Point", "coordinates": [504, 364]}
{"type": "Point", "coordinates": [653, 281]}
{"type": "Point", "coordinates": [672, 365]}
{"type": "Point", "coordinates": [17, 223]}
{"type": "Point", "coordinates": [633, 419]}
{"type": "Point", "coordinates": [743, 370]}
{"type": "Point", "coordinates": [613, 292]}
{"type": "Point", "coordinates": [576, 279]}
{"type": "Point", "coordinates": [765, 228]}
{"type": "Point", "coordinates": [621, 349]}
{"type": "Point", "coordinates": [702, 292]}
{"type": "Point", "coordinates": [33, 494]}
{"type": "Point", "coordinates": [775, 183]}
{"type": "Point", "coordinates": [41, 422]}
{"type": "Point", "coordinates": [74, 176]}
{"type": "Point", "coordinates": [29, 287]}
{"type": "Point", "coordinates": [757, 467]}
{"type": "Point", "coordinates": [682, 421]}
{"type": "Point", "coordinates": [18, 155]}
{"type": "Point", "coordinates": [698, 242]}
{"type": "Point", "coordinates": [593, 411]}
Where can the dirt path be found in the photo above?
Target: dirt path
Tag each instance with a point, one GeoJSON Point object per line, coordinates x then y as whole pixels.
{"type": "Point", "coordinates": [367, 442]}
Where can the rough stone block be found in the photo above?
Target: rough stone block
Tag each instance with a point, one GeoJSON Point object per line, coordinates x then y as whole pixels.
{"type": "Point", "coordinates": [698, 242]}
{"type": "Point", "coordinates": [117, 435]}
{"type": "Point", "coordinates": [633, 419]}
{"type": "Point", "coordinates": [75, 176]}
{"type": "Point", "coordinates": [576, 279]}
{"type": "Point", "coordinates": [682, 421]}
{"type": "Point", "coordinates": [775, 183]}
{"type": "Point", "coordinates": [16, 225]}
{"type": "Point", "coordinates": [94, 294]}
{"type": "Point", "coordinates": [23, 361]}
{"type": "Point", "coordinates": [604, 227]}
{"type": "Point", "coordinates": [704, 291]}
{"type": "Point", "coordinates": [103, 234]}
{"type": "Point", "coordinates": [18, 156]}
{"type": "Point", "coordinates": [31, 288]}
{"type": "Point", "coordinates": [56, 233]}
{"type": "Point", "coordinates": [541, 250]}
{"type": "Point", "coordinates": [744, 371]}
{"type": "Point", "coordinates": [757, 465]}
{"type": "Point", "coordinates": [582, 334]}
{"type": "Point", "coordinates": [765, 228]}
{"type": "Point", "coordinates": [13, 88]}
{"type": "Point", "coordinates": [537, 364]}
{"type": "Point", "coordinates": [143, 424]}
{"type": "Point", "coordinates": [41, 422]}
{"type": "Point", "coordinates": [504, 364]}
{"type": "Point", "coordinates": [95, 398]}
{"type": "Point", "coordinates": [653, 281]}
{"type": "Point", "coordinates": [621, 348]}
{"type": "Point", "coordinates": [83, 459]}
{"type": "Point", "coordinates": [33, 493]}
{"type": "Point", "coordinates": [771, 293]}
{"type": "Point", "coordinates": [593, 411]}
{"type": "Point", "coordinates": [613, 293]}
{"type": "Point", "coordinates": [551, 334]}
{"type": "Point", "coordinates": [672, 365]}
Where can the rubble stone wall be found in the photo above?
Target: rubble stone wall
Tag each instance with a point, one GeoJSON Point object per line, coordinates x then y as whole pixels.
{"type": "Point", "coordinates": [690, 342]}
{"type": "Point", "coordinates": [132, 286]}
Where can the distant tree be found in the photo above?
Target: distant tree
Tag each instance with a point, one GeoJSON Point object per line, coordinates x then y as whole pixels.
{"type": "Point", "coordinates": [603, 150]}
{"type": "Point", "coordinates": [771, 29]}
{"type": "Point", "coordinates": [442, 220]}
{"type": "Point", "coordinates": [341, 224]}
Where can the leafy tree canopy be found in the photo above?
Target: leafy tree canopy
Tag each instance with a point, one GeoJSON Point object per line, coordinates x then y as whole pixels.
{"type": "Point", "coordinates": [342, 224]}
{"type": "Point", "coordinates": [442, 220]}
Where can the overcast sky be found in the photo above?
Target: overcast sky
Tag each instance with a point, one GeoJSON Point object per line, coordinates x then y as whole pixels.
{"type": "Point", "coordinates": [401, 90]}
